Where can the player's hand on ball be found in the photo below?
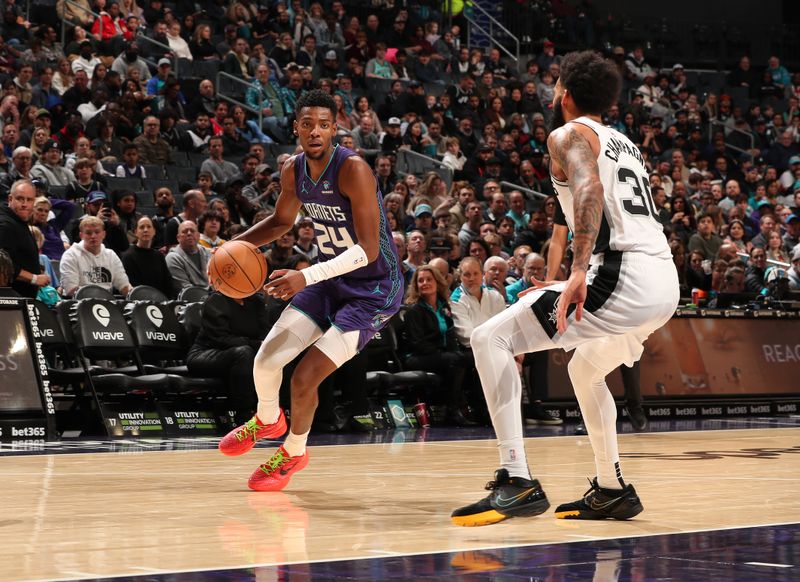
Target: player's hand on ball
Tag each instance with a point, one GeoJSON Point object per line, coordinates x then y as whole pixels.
{"type": "Point", "coordinates": [285, 284]}
{"type": "Point", "coordinates": [574, 292]}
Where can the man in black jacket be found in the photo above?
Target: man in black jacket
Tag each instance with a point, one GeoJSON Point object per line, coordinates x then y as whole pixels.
{"type": "Point", "coordinates": [17, 240]}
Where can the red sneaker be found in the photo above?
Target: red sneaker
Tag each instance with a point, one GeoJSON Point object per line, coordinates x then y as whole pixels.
{"type": "Point", "coordinates": [274, 475]}
{"type": "Point", "coordinates": [242, 439]}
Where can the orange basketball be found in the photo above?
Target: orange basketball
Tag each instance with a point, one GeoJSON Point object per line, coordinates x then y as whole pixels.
{"type": "Point", "coordinates": [237, 269]}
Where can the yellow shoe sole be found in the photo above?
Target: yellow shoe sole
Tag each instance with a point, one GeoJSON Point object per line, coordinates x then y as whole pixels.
{"type": "Point", "coordinates": [484, 518]}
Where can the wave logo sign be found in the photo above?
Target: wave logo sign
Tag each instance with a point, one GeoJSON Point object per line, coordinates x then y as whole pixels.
{"type": "Point", "coordinates": [101, 314]}
{"type": "Point", "coordinates": [154, 315]}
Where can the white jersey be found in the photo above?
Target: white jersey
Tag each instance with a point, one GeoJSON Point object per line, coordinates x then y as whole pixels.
{"type": "Point", "coordinates": [630, 219]}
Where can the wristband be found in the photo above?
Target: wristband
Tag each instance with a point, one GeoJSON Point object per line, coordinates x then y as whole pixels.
{"type": "Point", "coordinates": [350, 260]}
{"type": "Point", "coordinates": [34, 279]}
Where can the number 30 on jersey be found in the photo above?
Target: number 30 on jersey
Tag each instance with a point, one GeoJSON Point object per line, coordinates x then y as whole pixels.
{"type": "Point", "coordinates": [641, 204]}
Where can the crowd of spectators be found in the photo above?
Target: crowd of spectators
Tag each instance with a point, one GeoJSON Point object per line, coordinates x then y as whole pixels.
{"type": "Point", "coordinates": [108, 106]}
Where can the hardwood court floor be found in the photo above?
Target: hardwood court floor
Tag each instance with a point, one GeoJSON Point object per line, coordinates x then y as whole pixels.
{"type": "Point", "coordinates": [93, 515]}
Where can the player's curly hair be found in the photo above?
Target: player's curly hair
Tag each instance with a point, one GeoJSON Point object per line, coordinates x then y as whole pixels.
{"type": "Point", "coordinates": [593, 81]}
{"type": "Point", "coordinates": [317, 98]}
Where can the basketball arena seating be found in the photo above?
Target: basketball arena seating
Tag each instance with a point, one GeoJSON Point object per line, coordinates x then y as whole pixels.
{"type": "Point", "coordinates": [103, 350]}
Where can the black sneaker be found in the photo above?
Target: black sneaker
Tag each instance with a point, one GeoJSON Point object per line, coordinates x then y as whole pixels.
{"type": "Point", "coordinates": [509, 497]}
{"type": "Point", "coordinates": [600, 503]}
{"type": "Point", "coordinates": [580, 429]}
{"type": "Point", "coordinates": [538, 415]}
{"type": "Point", "coordinates": [637, 417]}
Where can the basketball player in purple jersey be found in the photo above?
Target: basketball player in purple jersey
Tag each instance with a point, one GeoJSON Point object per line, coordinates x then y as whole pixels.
{"type": "Point", "coordinates": [337, 305]}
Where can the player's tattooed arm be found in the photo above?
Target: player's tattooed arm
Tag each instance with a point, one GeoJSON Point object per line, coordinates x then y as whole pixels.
{"type": "Point", "coordinates": [573, 153]}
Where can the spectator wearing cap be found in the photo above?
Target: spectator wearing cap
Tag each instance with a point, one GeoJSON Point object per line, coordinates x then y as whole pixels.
{"type": "Point", "coordinates": [262, 192]}
{"type": "Point", "coordinates": [156, 83]}
{"type": "Point", "coordinates": [423, 219]}
{"type": "Point", "coordinates": [330, 67]}
{"type": "Point", "coordinates": [219, 168]}
{"type": "Point", "coordinates": [791, 238]}
{"type": "Point", "coordinates": [89, 262]}
{"type": "Point", "coordinates": [86, 60]}
{"type": "Point", "coordinates": [304, 239]}
{"type": "Point", "coordinates": [188, 261]}
{"type": "Point", "coordinates": [49, 166]}
{"type": "Point", "coordinates": [391, 140]}
{"type": "Point", "coordinates": [153, 149]}
{"type": "Point", "coordinates": [21, 164]}
{"type": "Point", "coordinates": [548, 56]}
{"type": "Point", "coordinates": [17, 240]}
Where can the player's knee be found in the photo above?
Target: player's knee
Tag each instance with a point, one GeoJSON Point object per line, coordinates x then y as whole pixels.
{"type": "Point", "coordinates": [581, 371]}
{"type": "Point", "coordinates": [266, 361]}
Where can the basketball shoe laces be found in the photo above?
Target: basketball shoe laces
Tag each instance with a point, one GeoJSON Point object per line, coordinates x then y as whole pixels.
{"type": "Point", "coordinates": [249, 429]}
{"type": "Point", "coordinates": [275, 462]}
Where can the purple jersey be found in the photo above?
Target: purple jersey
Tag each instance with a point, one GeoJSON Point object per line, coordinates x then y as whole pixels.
{"type": "Point", "coordinates": [380, 283]}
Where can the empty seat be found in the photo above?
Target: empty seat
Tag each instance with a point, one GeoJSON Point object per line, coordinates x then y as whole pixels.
{"type": "Point", "coordinates": [146, 293]}
{"type": "Point", "coordinates": [183, 174]}
{"type": "Point", "coordinates": [194, 294]}
{"type": "Point", "coordinates": [132, 184]}
{"type": "Point", "coordinates": [153, 171]}
{"type": "Point", "coordinates": [206, 69]}
{"type": "Point", "coordinates": [179, 159]}
{"type": "Point", "coordinates": [94, 292]}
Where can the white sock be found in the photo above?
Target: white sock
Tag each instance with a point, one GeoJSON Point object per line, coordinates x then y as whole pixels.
{"type": "Point", "coordinates": [493, 347]}
{"type": "Point", "coordinates": [600, 417]}
{"type": "Point", "coordinates": [290, 335]}
{"type": "Point", "coordinates": [295, 444]}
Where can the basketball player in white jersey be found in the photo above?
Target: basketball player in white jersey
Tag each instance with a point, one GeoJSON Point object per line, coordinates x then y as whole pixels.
{"type": "Point", "coordinates": [623, 287]}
